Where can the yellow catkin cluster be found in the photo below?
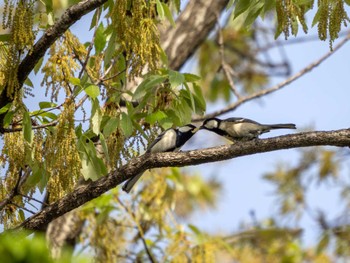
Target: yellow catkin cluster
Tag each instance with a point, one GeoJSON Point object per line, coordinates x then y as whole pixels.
{"type": "Point", "coordinates": [331, 16]}
{"type": "Point", "coordinates": [18, 18]}
{"type": "Point", "coordinates": [137, 33]}
{"type": "Point", "coordinates": [203, 253]}
{"type": "Point", "coordinates": [3, 63]}
{"type": "Point", "coordinates": [62, 158]}
{"type": "Point", "coordinates": [61, 66]}
{"type": "Point", "coordinates": [289, 15]}
{"type": "Point", "coordinates": [13, 154]}
{"type": "Point", "coordinates": [337, 17]}
{"type": "Point", "coordinates": [178, 246]}
{"type": "Point", "coordinates": [103, 231]}
{"type": "Point", "coordinates": [22, 25]}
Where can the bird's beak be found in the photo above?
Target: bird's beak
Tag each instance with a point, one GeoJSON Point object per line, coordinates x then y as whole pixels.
{"type": "Point", "coordinates": [201, 127]}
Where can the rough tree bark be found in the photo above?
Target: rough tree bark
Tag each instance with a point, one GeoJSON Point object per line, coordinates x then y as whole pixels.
{"type": "Point", "coordinates": [83, 194]}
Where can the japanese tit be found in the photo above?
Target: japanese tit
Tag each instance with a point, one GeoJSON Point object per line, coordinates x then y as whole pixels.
{"type": "Point", "coordinates": [169, 140]}
{"type": "Point", "coordinates": [240, 129]}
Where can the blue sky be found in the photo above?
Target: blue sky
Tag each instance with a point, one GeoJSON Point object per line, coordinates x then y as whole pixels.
{"type": "Point", "coordinates": [319, 99]}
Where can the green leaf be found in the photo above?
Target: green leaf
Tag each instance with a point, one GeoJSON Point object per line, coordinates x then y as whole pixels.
{"type": "Point", "coordinates": [160, 9]}
{"type": "Point", "coordinates": [184, 111]}
{"type": "Point", "coordinates": [317, 16]}
{"type": "Point", "coordinates": [254, 12]}
{"type": "Point", "coordinates": [79, 130]}
{"type": "Point", "coordinates": [173, 117]}
{"type": "Point", "coordinates": [96, 117]}
{"type": "Point", "coordinates": [29, 83]}
{"type": "Point", "coordinates": [5, 108]}
{"type": "Point", "coordinates": [191, 77]}
{"type": "Point", "coordinates": [104, 147]}
{"type": "Point", "coordinates": [168, 14]}
{"type": "Point", "coordinates": [38, 65]}
{"type": "Point", "coordinates": [199, 99]}
{"type": "Point", "coordinates": [147, 85]}
{"type": "Point", "coordinates": [195, 230]}
{"type": "Point", "coordinates": [166, 123]}
{"type": "Point", "coordinates": [242, 6]}
{"type": "Point", "coordinates": [47, 104]}
{"type": "Point", "coordinates": [111, 126]}
{"type": "Point", "coordinates": [155, 116]}
{"type": "Point", "coordinates": [92, 166]}
{"type": "Point", "coordinates": [100, 39]}
{"type": "Point", "coordinates": [269, 5]}
{"type": "Point", "coordinates": [110, 50]}
{"type": "Point", "coordinates": [8, 118]}
{"type": "Point", "coordinates": [36, 178]}
{"type": "Point", "coordinates": [176, 78]}
{"type": "Point", "coordinates": [94, 19]}
{"type": "Point", "coordinates": [92, 91]}
{"type": "Point", "coordinates": [126, 124]}
{"type": "Point", "coordinates": [75, 81]}
{"type": "Point", "coordinates": [21, 214]}
{"type": "Point", "coordinates": [47, 114]}
{"type": "Point", "coordinates": [27, 127]}
{"type": "Point", "coordinates": [189, 95]}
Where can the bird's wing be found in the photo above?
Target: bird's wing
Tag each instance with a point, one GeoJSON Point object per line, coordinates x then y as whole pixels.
{"type": "Point", "coordinates": [169, 141]}
{"type": "Point", "coordinates": [155, 141]}
{"type": "Point", "coordinates": [240, 120]}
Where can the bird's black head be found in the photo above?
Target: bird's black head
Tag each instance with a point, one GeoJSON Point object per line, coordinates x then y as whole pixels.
{"type": "Point", "coordinates": [210, 124]}
{"type": "Point", "coordinates": [184, 133]}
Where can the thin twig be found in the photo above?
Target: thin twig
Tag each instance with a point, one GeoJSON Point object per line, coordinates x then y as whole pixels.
{"type": "Point", "coordinates": [284, 83]}
{"type": "Point", "coordinates": [148, 252]}
{"type": "Point", "coordinates": [293, 41]}
{"type": "Point", "coordinates": [50, 124]}
{"type": "Point", "coordinates": [229, 72]}
{"type": "Point", "coordinates": [32, 198]}
{"type": "Point", "coordinates": [23, 208]}
{"type": "Point", "coordinates": [111, 77]}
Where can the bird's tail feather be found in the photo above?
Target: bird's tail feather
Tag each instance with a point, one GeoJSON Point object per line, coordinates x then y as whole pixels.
{"type": "Point", "coordinates": [131, 182]}
{"type": "Point", "coordinates": [282, 126]}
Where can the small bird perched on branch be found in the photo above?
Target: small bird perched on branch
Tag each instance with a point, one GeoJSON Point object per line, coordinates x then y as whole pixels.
{"type": "Point", "coordinates": [168, 141]}
{"type": "Point", "coordinates": [241, 129]}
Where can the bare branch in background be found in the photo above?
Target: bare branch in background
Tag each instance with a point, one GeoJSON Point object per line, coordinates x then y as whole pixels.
{"type": "Point", "coordinates": [229, 72]}
{"type": "Point", "coordinates": [279, 86]}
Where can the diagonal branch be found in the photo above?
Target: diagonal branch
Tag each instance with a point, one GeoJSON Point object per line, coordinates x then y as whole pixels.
{"type": "Point", "coordinates": [279, 86]}
{"type": "Point", "coordinates": [85, 193]}
{"type": "Point", "coordinates": [70, 16]}
{"type": "Point", "coordinates": [192, 28]}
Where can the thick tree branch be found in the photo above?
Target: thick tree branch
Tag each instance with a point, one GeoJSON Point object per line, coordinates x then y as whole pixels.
{"type": "Point", "coordinates": [70, 16]}
{"type": "Point", "coordinates": [192, 28]}
{"type": "Point", "coordinates": [85, 193]}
